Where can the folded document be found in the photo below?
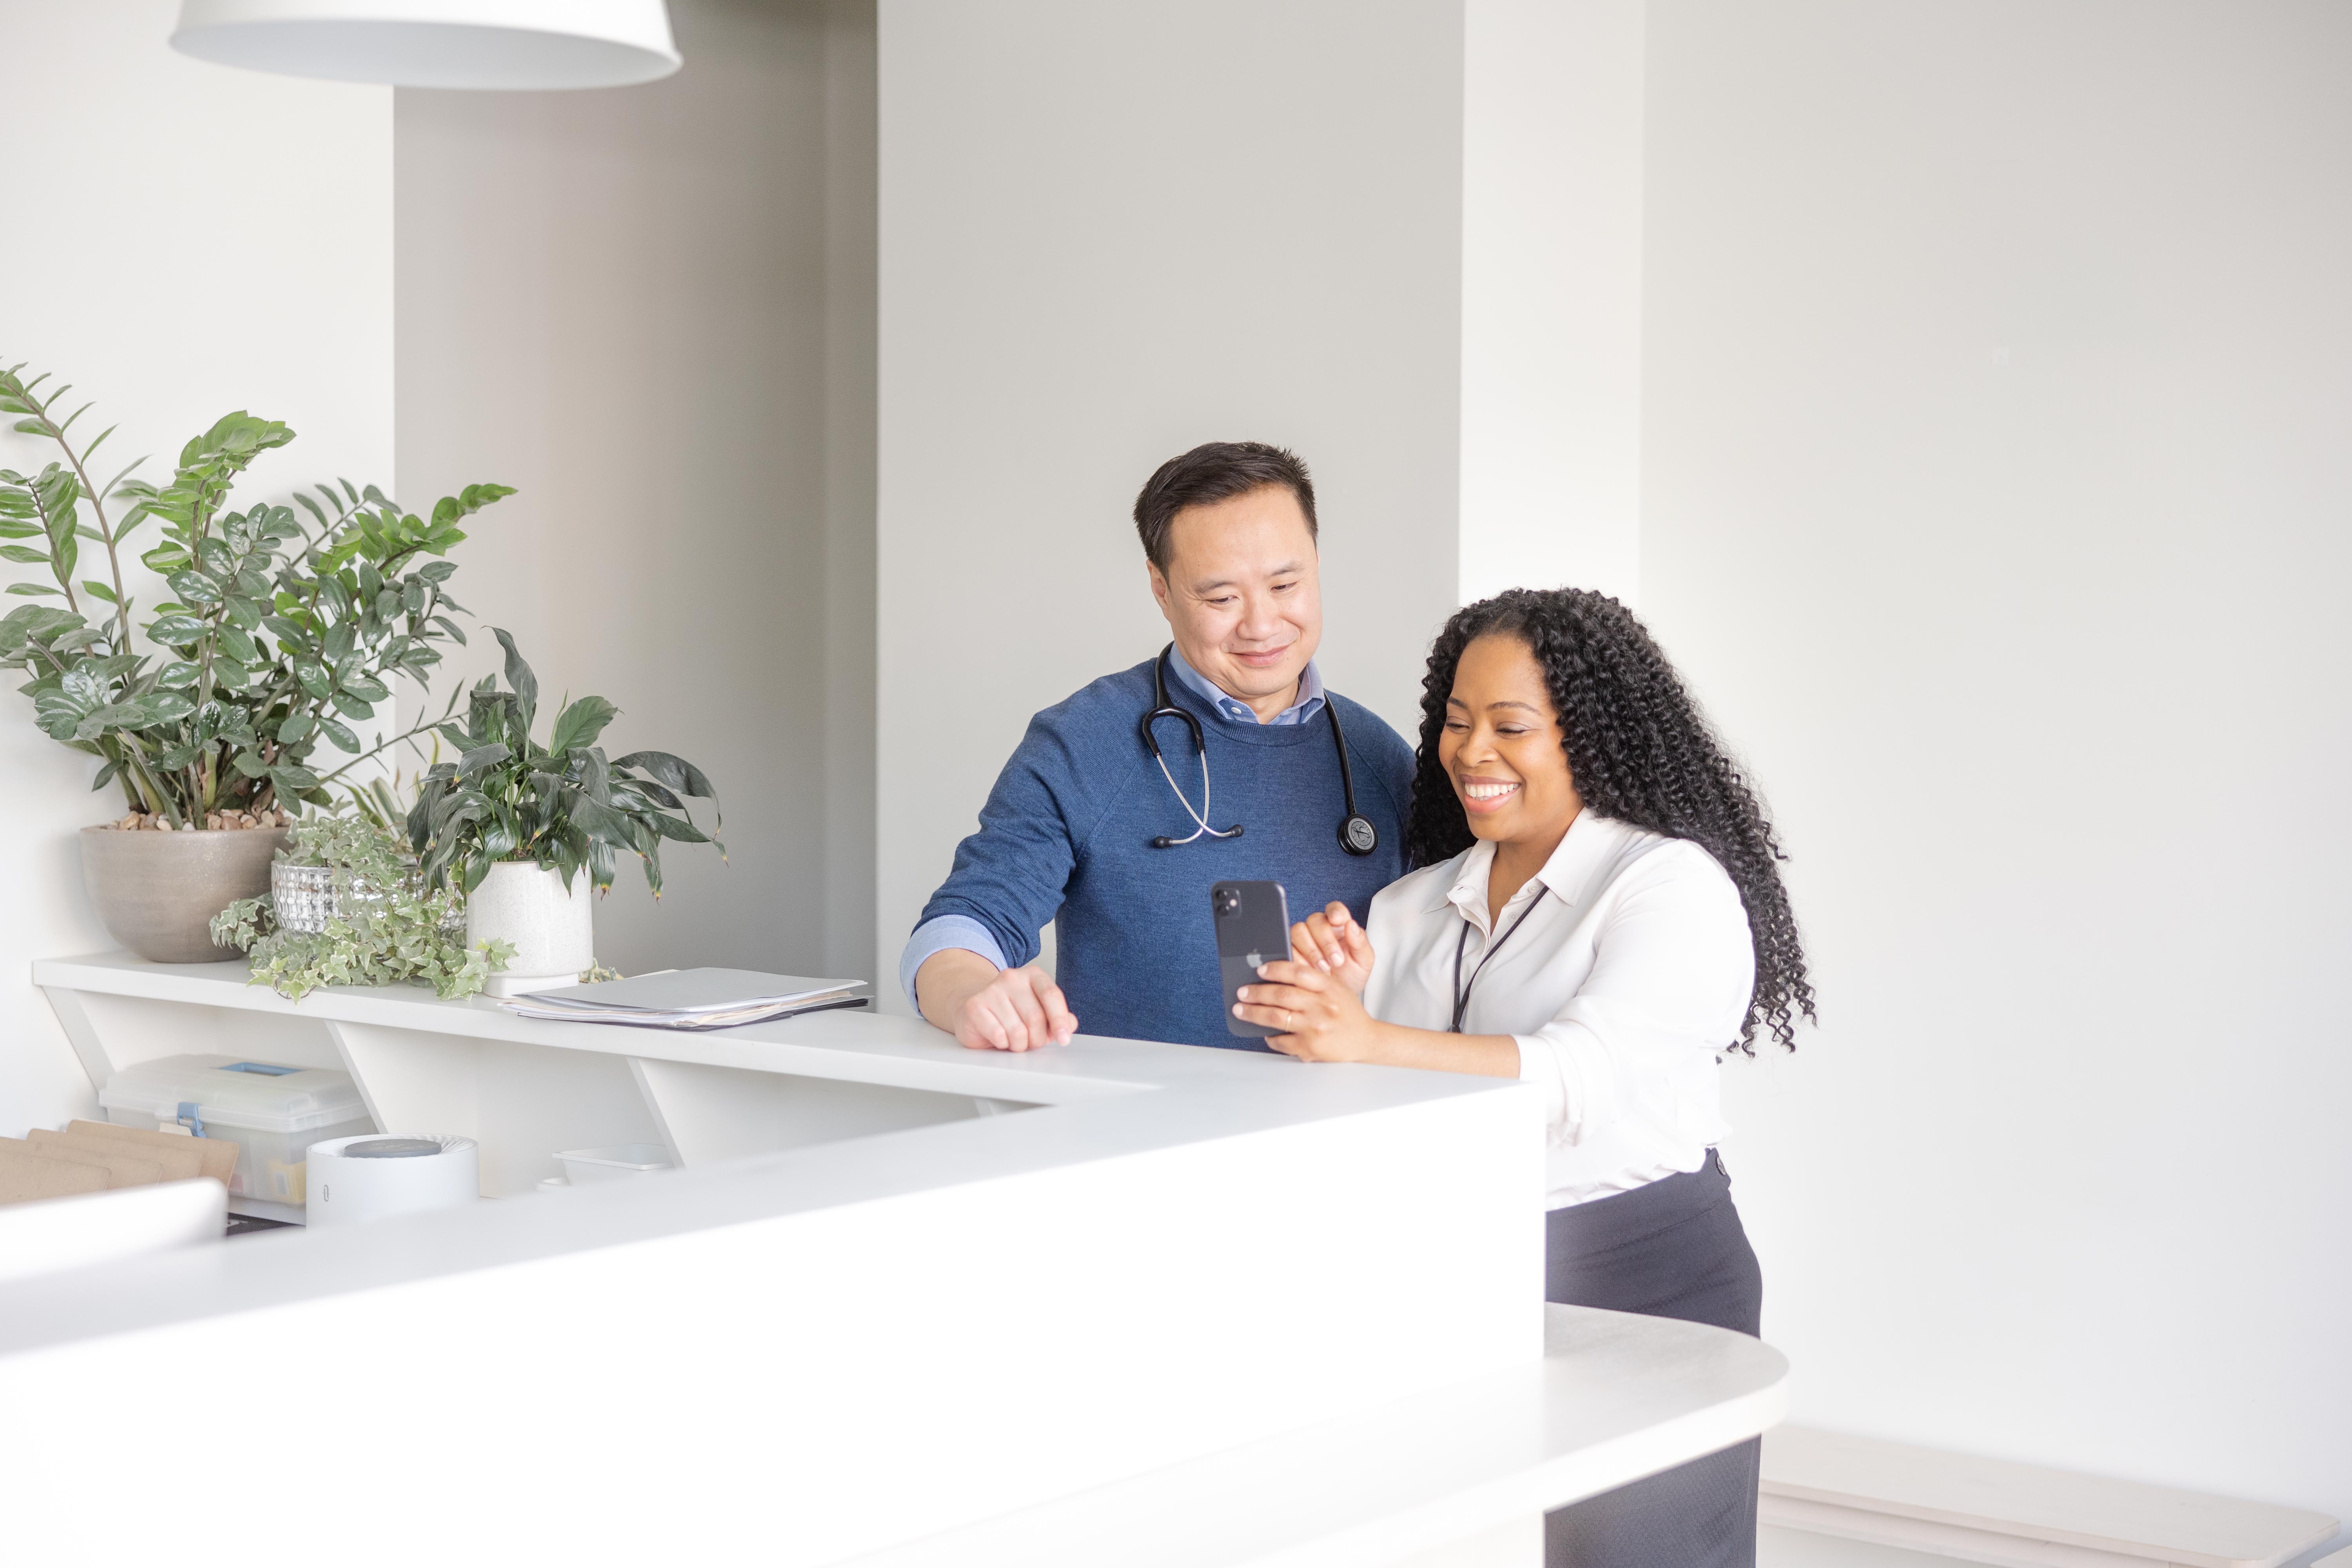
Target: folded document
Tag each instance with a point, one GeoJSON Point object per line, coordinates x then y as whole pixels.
{"type": "Point", "coordinates": [688, 999]}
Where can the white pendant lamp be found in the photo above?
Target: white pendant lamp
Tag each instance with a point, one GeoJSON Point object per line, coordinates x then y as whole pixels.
{"type": "Point", "coordinates": [510, 44]}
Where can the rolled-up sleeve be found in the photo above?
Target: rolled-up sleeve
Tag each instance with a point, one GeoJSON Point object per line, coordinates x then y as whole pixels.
{"type": "Point", "coordinates": [937, 935]}
{"type": "Point", "coordinates": [1673, 969]}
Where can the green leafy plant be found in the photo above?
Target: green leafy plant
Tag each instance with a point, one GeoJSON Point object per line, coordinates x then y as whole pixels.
{"type": "Point", "coordinates": [562, 805]}
{"type": "Point", "coordinates": [389, 927]}
{"type": "Point", "coordinates": [279, 633]}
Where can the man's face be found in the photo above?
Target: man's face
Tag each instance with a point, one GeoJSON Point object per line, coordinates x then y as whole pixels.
{"type": "Point", "coordinates": [1242, 597]}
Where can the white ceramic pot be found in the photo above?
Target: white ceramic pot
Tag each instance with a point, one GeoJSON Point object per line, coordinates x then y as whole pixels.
{"type": "Point", "coordinates": [552, 928]}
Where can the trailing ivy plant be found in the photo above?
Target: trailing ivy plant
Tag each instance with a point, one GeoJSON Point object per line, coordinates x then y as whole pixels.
{"type": "Point", "coordinates": [389, 928]}
{"type": "Point", "coordinates": [561, 805]}
{"type": "Point", "coordinates": [279, 635]}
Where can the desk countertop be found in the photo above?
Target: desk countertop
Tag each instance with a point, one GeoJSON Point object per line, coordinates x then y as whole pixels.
{"type": "Point", "coordinates": [859, 1339]}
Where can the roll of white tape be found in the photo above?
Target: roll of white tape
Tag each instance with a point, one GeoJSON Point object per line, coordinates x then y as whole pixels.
{"type": "Point", "coordinates": [377, 1176]}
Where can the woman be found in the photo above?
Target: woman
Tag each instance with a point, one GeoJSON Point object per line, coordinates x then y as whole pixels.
{"type": "Point", "coordinates": [1597, 911]}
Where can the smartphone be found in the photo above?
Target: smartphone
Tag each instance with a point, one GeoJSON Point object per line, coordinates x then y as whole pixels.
{"type": "Point", "coordinates": [1253, 927]}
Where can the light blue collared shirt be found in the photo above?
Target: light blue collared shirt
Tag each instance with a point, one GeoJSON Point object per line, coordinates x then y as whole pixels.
{"type": "Point", "coordinates": [1229, 707]}
{"type": "Point", "coordinates": [958, 931]}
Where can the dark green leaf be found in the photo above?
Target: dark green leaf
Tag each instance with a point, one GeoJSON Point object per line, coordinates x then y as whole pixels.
{"type": "Point", "coordinates": [672, 827]}
{"type": "Point", "coordinates": [520, 679]}
{"type": "Point", "coordinates": [313, 678]}
{"type": "Point", "coordinates": [482, 757]}
{"type": "Point", "coordinates": [580, 724]}
{"type": "Point", "coordinates": [138, 713]}
{"type": "Point", "coordinates": [676, 772]}
{"type": "Point", "coordinates": [237, 645]}
{"type": "Point", "coordinates": [60, 710]}
{"type": "Point", "coordinates": [177, 631]}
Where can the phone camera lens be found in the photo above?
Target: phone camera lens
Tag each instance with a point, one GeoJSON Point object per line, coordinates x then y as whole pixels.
{"type": "Point", "coordinates": [1228, 900]}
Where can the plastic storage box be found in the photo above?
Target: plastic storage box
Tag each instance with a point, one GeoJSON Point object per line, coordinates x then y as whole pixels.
{"type": "Point", "coordinates": [273, 1112]}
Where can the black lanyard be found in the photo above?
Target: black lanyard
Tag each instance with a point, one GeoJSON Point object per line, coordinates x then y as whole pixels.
{"type": "Point", "coordinates": [1461, 992]}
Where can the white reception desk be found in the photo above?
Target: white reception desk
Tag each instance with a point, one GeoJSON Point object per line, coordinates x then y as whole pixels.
{"type": "Point", "coordinates": [904, 1302]}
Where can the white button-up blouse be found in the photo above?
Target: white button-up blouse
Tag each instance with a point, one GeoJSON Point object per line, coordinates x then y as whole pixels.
{"type": "Point", "coordinates": [1626, 981]}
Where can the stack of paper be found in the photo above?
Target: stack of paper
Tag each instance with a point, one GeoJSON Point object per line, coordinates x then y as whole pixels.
{"type": "Point", "coordinates": [688, 999]}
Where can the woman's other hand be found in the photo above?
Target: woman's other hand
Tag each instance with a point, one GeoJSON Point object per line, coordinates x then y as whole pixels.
{"type": "Point", "coordinates": [1332, 942]}
{"type": "Point", "coordinates": [1321, 1019]}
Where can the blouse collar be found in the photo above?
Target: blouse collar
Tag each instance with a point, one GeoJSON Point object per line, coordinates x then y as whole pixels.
{"type": "Point", "coordinates": [1590, 840]}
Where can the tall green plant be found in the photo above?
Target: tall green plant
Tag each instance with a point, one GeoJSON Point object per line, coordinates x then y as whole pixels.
{"type": "Point", "coordinates": [279, 633]}
{"type": "Point", "coordinates": [562, 805]}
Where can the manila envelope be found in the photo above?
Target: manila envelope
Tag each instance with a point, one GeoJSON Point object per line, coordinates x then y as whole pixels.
{"type": "Point", "coordinates": [25, 1177]}
{"type": "Point", "coordinates": [219, 1154]}
{"type": "Point", "coordinates": [177, 1164]}
{"type": "Point", "coordinates": [122, 1168]}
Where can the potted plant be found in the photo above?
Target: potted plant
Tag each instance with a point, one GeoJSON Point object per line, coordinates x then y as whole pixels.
{"type": "Point", "coordinates": [524, 830]}
{"type": "Point", "coordinates": [347, 907]}
{"type": "Point", "coordinates": [278, 634]}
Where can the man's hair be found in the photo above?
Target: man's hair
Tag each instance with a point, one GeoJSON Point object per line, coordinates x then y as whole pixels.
{"type": "Point", "coordinates": [1218, 471]}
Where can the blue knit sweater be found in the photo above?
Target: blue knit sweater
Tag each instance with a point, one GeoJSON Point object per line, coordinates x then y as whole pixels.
{"type": "Point", "coordinates": [1067, 836]}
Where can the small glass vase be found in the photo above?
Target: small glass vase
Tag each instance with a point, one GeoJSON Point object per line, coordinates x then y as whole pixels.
{"type": "Point", "coordinates": [306, 898]}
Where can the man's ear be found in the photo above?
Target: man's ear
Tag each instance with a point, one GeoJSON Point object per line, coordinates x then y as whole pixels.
{"type": "Point", "coordinates": [1159, 589]}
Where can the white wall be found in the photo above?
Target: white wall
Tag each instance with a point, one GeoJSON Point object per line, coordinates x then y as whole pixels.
{"type": "Point", "coordinates": [1551, 296]}
{"type": "Point", "coordinates": [185, 240]}
{"type": "Point", "coordinates": [650, 309]}
{"type": "Point", "coordinates": [1108, 234]}
{"type": "Point", "coordinates": [1998, 364]}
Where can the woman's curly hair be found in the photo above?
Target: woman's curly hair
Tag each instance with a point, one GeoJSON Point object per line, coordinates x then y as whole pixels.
{"type": "Point", "coordinates": [1639, 751]}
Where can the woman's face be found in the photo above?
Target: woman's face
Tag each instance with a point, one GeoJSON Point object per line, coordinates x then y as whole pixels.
{"type": "Point", "coordinates": [1501, 746]}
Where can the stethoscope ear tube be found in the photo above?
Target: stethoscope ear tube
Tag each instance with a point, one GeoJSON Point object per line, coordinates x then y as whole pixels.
{"type": "Point", "coordinates": [1357, 834]}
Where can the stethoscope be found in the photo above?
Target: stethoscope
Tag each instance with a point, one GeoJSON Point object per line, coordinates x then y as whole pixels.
{"type": "Point", "coordinates": [1357, 834]}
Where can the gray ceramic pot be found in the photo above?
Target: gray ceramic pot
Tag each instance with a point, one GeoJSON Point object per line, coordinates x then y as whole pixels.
{"type": "Point", "coordinates": [158, 891]}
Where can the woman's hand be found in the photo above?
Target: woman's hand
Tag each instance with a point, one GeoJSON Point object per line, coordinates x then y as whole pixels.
{"type": "Point", "coordinates": [1333, 942]}
{"type": "Point", "coordinates": [1321, 1019]}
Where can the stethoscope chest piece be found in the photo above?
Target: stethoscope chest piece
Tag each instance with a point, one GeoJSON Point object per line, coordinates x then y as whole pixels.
{"type": "Point", "coordinates": [1357, 836]}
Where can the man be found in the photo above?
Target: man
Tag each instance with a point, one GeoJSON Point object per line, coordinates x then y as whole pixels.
{"type": "Point", "coordinates": [1088, 828]}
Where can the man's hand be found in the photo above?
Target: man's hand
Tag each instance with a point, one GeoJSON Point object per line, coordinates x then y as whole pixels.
{"type": "Point", "coordinates": [992, 1009]}
{"type": "Point", "coordinates": [1333, 942]}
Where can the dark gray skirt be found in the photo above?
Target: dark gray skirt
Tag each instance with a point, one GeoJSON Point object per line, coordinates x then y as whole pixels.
{"type": "Point", "coordinates": [1675, 1248]}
